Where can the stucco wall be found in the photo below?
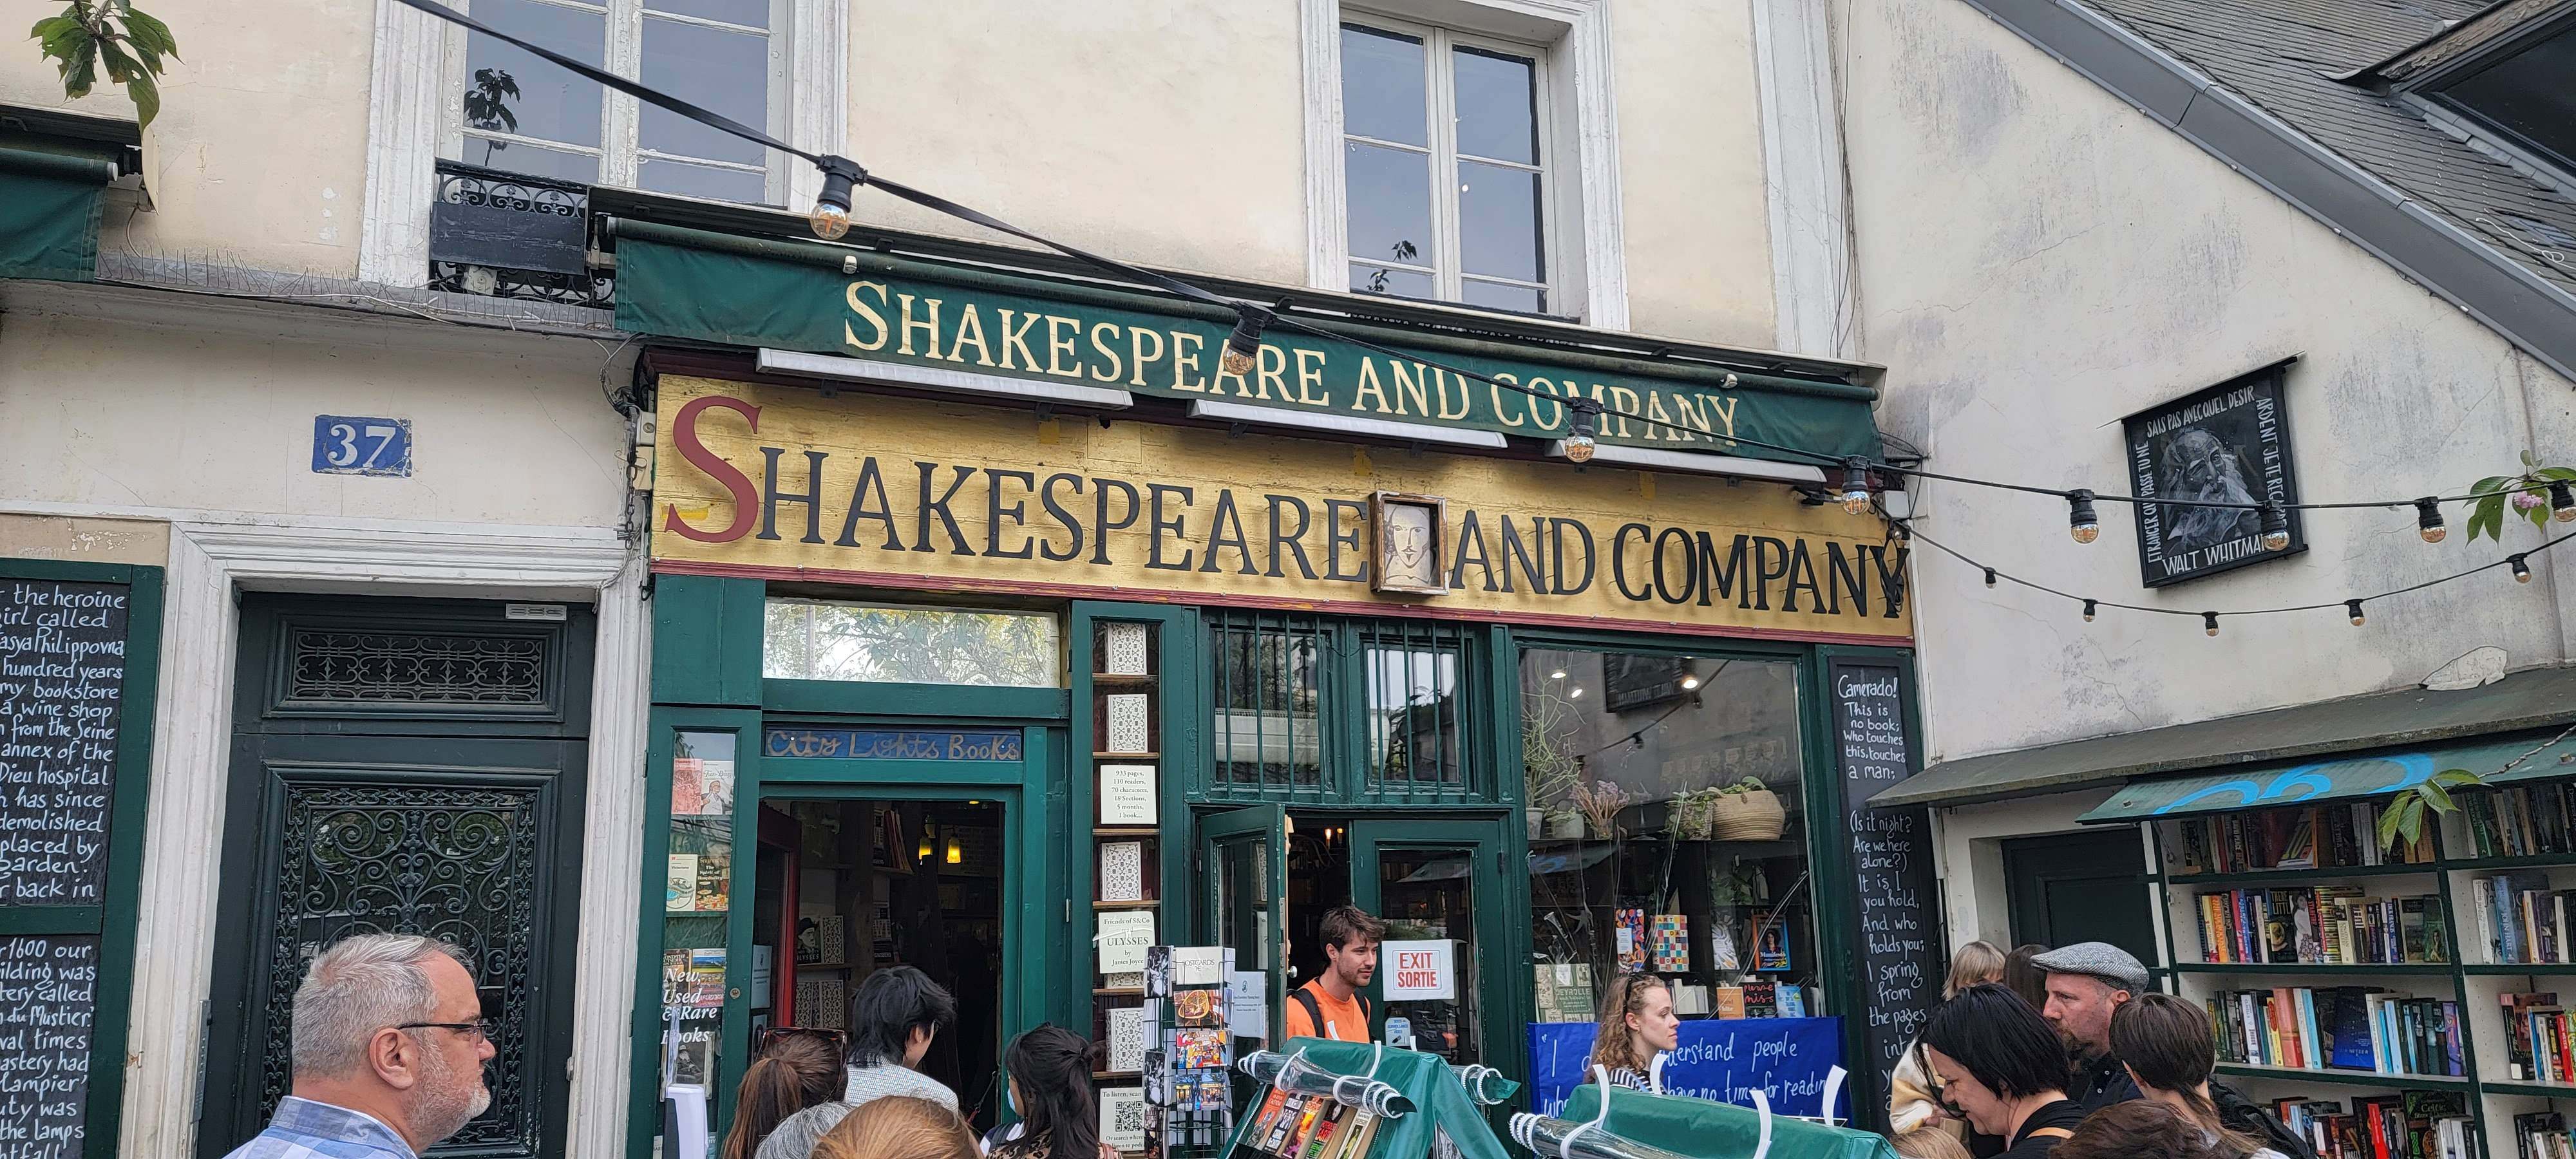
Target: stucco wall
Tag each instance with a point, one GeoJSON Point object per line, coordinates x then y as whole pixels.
{"type": "Point", "coordinates": [2036, 260]}
{"type": "Point", "coordinates": [1690, 151]}
{"type": "Point", "coordinates": [124, 415]}
{"type": "Point", "coordinates": [258, 158]}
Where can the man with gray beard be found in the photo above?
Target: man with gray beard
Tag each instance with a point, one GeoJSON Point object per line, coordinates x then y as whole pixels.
{"type": "Point", "coordinates": [389, 1046]}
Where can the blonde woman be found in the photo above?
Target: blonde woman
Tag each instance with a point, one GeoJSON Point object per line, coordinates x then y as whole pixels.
{"type": "Point", "coordinates": [1911, 1099]}
{"type": "Point", "coordinates": [1637, 1024]}
{"type": "Point", "coordinates": [899, 1127]}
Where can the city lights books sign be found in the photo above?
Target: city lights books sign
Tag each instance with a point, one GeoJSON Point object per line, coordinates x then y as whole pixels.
{"type": "Point", "coordinates": [2229, 443]}
{"type": "Point", "coordinates": [781, 482]}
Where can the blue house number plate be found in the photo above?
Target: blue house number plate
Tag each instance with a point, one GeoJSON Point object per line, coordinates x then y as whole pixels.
{"type": "Point", "coordinates": [354, 445]}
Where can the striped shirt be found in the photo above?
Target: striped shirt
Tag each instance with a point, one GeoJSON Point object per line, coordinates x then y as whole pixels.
{"type": "Point", "coordinates": [304, 1129]}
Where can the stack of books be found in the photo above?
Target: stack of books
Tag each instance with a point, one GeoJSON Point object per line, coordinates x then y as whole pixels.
{"type": "Point", "coordinates": [2521, 821]}
{"type": "Point", "coordinates": [1290, 1126]}
{"type": "Point", "coordinates": [2522, 919]}
{"type": "Point", "coordinates": [2415, 1125]}
{"type": "Point", "coordinates": [2542, 1136]}
{"type": "Point", "coordinates": [2353, 1028]}
{"type": "Point", "coordinates": [2538, 1044]}
{"type": "Point", "coordinates": [2321, 925]}
{"type": "Point", "coordinates": [2319, 837]}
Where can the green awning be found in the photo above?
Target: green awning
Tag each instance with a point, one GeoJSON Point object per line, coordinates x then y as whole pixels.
{"type": "Point", "coordinates": [763, 292]}
{"type": "Point", "coordinates": [2340, 779]}
{"type": "Point", "coordinates": [49, 213]}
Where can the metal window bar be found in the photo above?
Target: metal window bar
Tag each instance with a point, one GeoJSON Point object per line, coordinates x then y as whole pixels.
{"type": "Point", "coordinates": [1272, 700]}
{"type": "Point", "coordinates": [1423, 710]}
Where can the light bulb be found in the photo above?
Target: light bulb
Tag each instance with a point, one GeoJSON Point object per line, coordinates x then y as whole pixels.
{"type": "Point", "coordinates": [2562, 503]}
{"type": "Point", "coordinates": [1243, 347]}
{"type": "Point", "coordinates": [829, 221]}
{"type": "Point", "coordinates": [2354, 607]}
{"type": "Point", "coordinates": [2080, 520]}
{"type": "Point", "coordinates": [2089, 608]}
{"type": "Point", "coordinates": [2276, 527]}
{"type": "Point", "coordinates": [1580, 441]}
{"type": "Point", "coordinates": [1990, 577]}
{"type": "Point", "coordinates": [831, 216]}
{"type": "Point", "coordinates": [1559, 674]}
{"type": "Point", "coordinates": [1577, 694]}
{"type": "Point", "coordinates": [2521, 570]}
{"type": "Point", "coordinates": [1689, 682]}
{"type": "Point", "coordinates": [1855, 494]}
{"type": "Point", "coordinates": [2209, 621]}
{"type": "Point", "coordinates": [2428, 519]}
{"type": "Point", "coordinates": [1579, 447]}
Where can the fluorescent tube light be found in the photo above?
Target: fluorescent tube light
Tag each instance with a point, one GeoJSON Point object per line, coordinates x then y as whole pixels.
{"type": "Point", "coordinates": [1324, 423]}
{"type": "Point", "coordinates": [1698, 463]}
{"type": "Point", "coordinates": [991, 386]}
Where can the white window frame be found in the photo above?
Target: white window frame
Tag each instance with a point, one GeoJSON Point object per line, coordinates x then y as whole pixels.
{"type": "Point", "coordinates": [1586, 249]}
{"type": "Point", "coordinates": [1447, 260]}
{"type": "Point", "coordinates": [416, 114]}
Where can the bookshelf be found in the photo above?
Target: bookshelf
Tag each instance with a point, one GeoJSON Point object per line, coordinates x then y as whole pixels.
{"type": "Point", "coordinates": [2460, 960]}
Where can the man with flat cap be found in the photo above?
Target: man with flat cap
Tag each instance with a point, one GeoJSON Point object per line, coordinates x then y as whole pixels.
{"type": "Point", "coordinates": [2087, 981]}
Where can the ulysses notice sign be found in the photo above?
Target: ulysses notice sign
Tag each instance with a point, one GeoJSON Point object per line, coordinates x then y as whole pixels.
{"type": "Point", "coordinates": [858, 488]}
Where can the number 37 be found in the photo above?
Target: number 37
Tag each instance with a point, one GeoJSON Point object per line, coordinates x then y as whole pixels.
{"type": "Point", "coordinates": [368, 445]}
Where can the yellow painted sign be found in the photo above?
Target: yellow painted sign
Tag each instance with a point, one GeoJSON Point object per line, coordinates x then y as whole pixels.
{"type": "Point", "coordinates": [900, 493]}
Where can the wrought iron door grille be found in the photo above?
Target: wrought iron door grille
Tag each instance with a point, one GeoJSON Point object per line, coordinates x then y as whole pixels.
{"type": "Point", "coordinates": [1271, 680]}
{"type": "Point", "coordinates": [455, 863]}
{"type": "Point", "coordinates": [326, 666]}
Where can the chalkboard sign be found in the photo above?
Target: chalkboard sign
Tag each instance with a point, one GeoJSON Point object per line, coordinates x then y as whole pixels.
{"type": "Point", "coordinates": [48, 995]}
{"type": "Point", "coordinates": [1891, 850]}
{"type": "Point", "coordinates": [62, 687]}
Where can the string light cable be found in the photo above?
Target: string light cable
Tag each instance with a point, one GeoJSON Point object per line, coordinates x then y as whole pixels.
{"type": "Point", "coordinates": [2517, 563]}
{"type": "Point", "coordinates": [842, 176]}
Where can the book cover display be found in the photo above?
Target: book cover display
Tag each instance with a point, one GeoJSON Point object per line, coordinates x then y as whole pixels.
{"type": "Point", "coordinates": [1187, 1097]}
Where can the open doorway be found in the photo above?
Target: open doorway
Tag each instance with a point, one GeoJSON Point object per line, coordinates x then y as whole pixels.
{"type": "Point", "coordinates": [1319, 879]}
{"type": "Point", "coordinates": [847, 887]}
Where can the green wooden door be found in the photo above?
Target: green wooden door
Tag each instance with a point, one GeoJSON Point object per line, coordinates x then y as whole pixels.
{"type": "Point", "coordinates": [1436, 881]}
{"type": "Point", "coordinates": [1243, 861]}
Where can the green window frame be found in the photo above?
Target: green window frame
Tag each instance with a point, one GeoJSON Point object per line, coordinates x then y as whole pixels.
{"type": "Point", "coordinates": [114, 919]}
{"type": "Point", "coordinates": [1336, 712]}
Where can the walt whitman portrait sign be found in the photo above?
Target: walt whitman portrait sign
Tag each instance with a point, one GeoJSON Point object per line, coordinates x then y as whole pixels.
{"type": "Point", "coordinates": [2229, 443]}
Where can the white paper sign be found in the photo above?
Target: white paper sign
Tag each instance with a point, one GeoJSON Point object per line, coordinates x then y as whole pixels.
{"type": "Point", "coordinates": [1247, 1009]}
{"type": "Point", "coordinates": [1419, 971]}
{"type": "Point", "coordinates": [1122, 1118]}
{"type": "Point", "coordinates": [1127, 795]}
{"type": "Point", "coordinates": [1123, 938]}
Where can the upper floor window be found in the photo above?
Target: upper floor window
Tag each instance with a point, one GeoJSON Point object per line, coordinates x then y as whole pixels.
{"type": "Point", "coordinates": [2525, 95]}
{"type": "Point", "coordinates": [519, 113]}
{"type": "Point", "coordinates": [1445, 155]}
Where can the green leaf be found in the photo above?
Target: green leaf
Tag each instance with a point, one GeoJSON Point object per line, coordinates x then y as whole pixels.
{"type": "Point", "coordinates": [149, 34]}
{"type": "Point", "coordinates": [2435, 796]}
{"type": "Point", "coordinates": [2413, 826]}
{"type": "Point", "coordinates": [2489, 484]}
{"type": "Point", "coordinates": [66, 41]}
{"type": "Point", "coordinates": [80, 69]}
{"type": "Point", "coordinates": [2486, 517]}
{"type": "Point", "coordinates": [147, 99]}
{"type": "Point", "coordinates": [2539, 517]}
{"type": "Point", "coordinates": [2388, 820]}
{"type": "Point", "coordinates": [120, 67]}
{"type": "Point", "coordinates": [2527, 460]}
{"type": "Point", "coordinates": [2457, 777]}
{"type": "Point", "coordinates": [2562, 474]}
{"type": "Point", "coordinates": [49, 25]}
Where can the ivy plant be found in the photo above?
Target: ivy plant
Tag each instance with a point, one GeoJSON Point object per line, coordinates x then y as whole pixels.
{"type": "Point", "coordinates": [114, 35]}
{"type": "Point", "coordinates": [2519, 494]}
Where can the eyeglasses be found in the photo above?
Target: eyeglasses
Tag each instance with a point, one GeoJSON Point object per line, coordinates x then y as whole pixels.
{"type": "Point", "coordinates": [478, 1030]}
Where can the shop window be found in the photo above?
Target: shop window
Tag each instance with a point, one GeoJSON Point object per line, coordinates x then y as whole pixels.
{"type": "Point", "coordinates": [1270, 680]}
{"type": "Point", "coordinates": [1445, 166]}
{"type": "Point", "coordinates": [885, 643]}
{"type": "Point", "coordinates": [1668, 831]}
{"type": "Point", "coordinates": [696, 900]}
{"type": "Point", "coordinates": [517, 113]}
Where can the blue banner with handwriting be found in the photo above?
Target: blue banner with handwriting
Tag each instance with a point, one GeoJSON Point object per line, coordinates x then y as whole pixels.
{"type": "Point", "coordinates": [1717, 1058]}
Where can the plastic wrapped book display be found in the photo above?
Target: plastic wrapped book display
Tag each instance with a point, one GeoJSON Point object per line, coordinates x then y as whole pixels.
{"type": "Point", "coordinates": [1605, 1122]}
{"type": "Point", "coordinates": [1350, 1100]}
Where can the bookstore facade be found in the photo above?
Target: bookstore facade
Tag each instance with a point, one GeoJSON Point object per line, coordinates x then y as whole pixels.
{"type": "Point", "coordinates": [1013, 693]}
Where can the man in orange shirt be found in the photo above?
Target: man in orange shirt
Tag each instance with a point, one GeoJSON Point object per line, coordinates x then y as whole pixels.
{"type": "Point", "coordinates": [1332, 1006]}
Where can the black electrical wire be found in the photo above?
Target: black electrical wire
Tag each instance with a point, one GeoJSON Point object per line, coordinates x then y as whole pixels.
{"type": "Point", "coordinates": [1576, 402]}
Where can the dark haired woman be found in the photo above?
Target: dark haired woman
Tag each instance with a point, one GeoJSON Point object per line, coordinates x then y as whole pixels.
{"type": "Point", "coordinates": [2024, 977]}
{"type": "Point", "coordinates": [2138, 1129]}
{"type": "Point", "coordinates": [1999, 1064]}
{"type": "Point", "coordinates": [2167, 1045]}
{"type": "Point", "coordinates": [1049, 1069]}
{"type": "Point", "coordinates": [795, 1072]}
{"type": "Point", "coordinates": [1637, 1023]}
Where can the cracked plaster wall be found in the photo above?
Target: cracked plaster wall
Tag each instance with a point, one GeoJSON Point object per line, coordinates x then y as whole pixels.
{"type": "Point", "coordinates": [122, 415]}
{"type": "Point", "coordinates": [2038, 259]}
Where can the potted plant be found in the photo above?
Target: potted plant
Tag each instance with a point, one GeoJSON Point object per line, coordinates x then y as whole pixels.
{"type": "Point", "coordinates": [1746, 811]}
{"type": "Point", "coordinates": [1601, 802]}
{"type": "Point", "coordinates": [1686, 816]}
{"type": "Point", "coordinates": [1548, 772]}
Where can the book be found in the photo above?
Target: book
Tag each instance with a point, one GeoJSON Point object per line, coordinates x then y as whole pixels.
{"type": "Point", "coordinates": [1730, 1001]}
{"type": "Point", "coordinates": [715, 878]}
{"type": "Point", "coordinates": [681, 895]}
{"type": "Point", "coordinates": [1360, 1132]}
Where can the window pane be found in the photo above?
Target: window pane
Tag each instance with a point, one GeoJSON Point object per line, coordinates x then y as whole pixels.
{"type": "Point", "coordinates": [1383, 93]}
{"type": "Point", "coordinates": [754, 13]}
{"type": "Point", "coordinates": [697, 899]}
{"type": "Point", "coordinates": [2531, 94]}
{"type": "Point", "coordinates": [1268, 696]}
{"type": "Point", "coordinates": [1497, 105]}
{"type": "Point", "coordinates": [1503, 297]}
{"type": "Point", "coordinates": [1415, 734]}
{"type": "Point", "coordinates": [1665, 792]}
{"type": "Point", "coordinates": [1498, 222]}
{"type": "Point", "coordinates": [1390, 203]}
{"type": "Point", "coordinates": [820, 640]}
{"type": "Point", "coordinates": [511, 91]}
{"type": "Point", "coordinates": [1367, 279]}
{"type": "Point", "coordinates": [724, 71]}
{"type": "Point", "coordinates": [706, 181]}
{"type": "Point", "coordinates": [521, 157]}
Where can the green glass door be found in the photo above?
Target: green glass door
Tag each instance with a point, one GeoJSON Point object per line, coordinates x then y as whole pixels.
{"type": "Point", "coordinates": [1243, 856]}
{"type": "Point", "coordinates": [1438, 886]}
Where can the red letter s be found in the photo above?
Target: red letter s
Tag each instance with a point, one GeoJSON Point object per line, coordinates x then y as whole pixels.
{"type": "Point", "coordinates": [684, 435]}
